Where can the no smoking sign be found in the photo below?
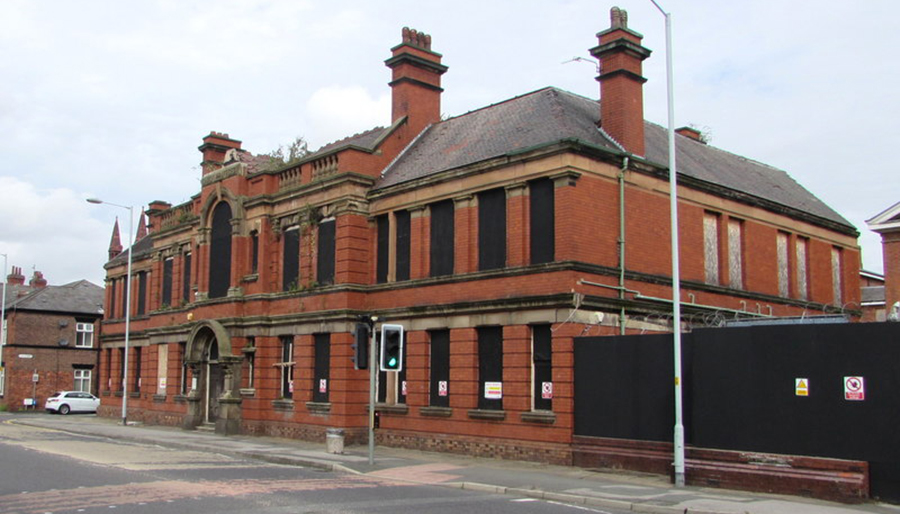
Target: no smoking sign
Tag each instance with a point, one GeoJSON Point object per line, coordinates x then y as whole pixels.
{"type": "Point", "coordinates": [854, 388]}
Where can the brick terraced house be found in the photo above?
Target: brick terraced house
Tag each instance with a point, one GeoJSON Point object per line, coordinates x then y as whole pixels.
{"type": "Point", "coordinates": [495, 238]}
{"type": "Point", "coordinates": [50, 336]}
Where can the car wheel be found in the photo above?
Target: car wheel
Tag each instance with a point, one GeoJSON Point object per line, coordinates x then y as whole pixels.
{"type": "Point", "coordinates": [64, 409]}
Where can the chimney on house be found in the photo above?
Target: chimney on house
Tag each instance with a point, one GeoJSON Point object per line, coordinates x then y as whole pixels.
{"type": "Point", "coordinates": [115, 243]}
{"type": "Point", "coordinates": [415, 81]}
{"type": "Point", "coordinates": [692, 133]}
{"type": "Point", "coordinates": [15, 277]}
{"type": "Point", "coordinates": [38, 281]}
{"type": "Point", "coordinates": [621, 82]}
{"type": "Point", "coordinates": [214, 148]}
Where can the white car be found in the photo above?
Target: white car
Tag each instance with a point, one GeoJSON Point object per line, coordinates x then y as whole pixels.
{"type": "Point", "coordinates": [65, 402]}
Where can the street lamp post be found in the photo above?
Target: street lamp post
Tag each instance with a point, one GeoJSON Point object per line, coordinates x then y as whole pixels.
{"type": "Point", "coordinates": [130, 210]}
{"type": "Point", "coordinates": [676, 274]}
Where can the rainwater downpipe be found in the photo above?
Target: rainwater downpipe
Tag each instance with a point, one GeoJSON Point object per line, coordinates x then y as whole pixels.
{"type": "Point", "coordinates": [621, 245]}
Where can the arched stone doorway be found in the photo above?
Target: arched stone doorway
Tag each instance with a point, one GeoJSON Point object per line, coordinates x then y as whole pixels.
{"type": "Point", "coordinates": [214, 397]}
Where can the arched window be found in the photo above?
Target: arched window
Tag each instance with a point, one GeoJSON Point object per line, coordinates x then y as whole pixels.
{"type": "Point", "coordinates": [220, 251]}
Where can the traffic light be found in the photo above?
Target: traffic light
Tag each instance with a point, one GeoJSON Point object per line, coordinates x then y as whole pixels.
{"type": "Point", "coordinates": [361, 346]}
{"type": "Point", "coordinates": [391, 347]}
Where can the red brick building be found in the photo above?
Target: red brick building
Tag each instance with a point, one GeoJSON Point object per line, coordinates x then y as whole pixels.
{"type": "Point", "coordinates": [495, 238]}
{"type": "Point", "coordinates": [887, 223]}
{"type": "Point", "coordinates": [50, 336]}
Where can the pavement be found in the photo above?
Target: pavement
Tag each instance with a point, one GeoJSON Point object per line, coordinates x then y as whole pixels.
{"type": "Point", "coordinates": [592, 489]}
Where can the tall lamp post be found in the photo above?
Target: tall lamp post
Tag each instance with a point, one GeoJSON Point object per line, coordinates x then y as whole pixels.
{"type": "Point", "coordinates": [127, 303]}
{"type": "Point", "coordinates": [676, 274]}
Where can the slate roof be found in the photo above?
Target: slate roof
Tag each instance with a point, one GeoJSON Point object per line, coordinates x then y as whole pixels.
{"type": "Point", "coordinates": [81, 297]}
{"type": "Point", "coordinates": [142, 247]}
{"type": "Point", "coordinates": [365, 140]}
{"type": "Point", "coordinates": [550, 115]}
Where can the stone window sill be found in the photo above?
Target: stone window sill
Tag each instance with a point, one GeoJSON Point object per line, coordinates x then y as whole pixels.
{"type": "Point", "coordinates": [539, 416]}
{"type": "Point", "coordinates": [486, 414]}
{"type": "Point", "coordinates": [159, 398]}
{"type": "Point", "coordinates": [318, 407]}
{"type": "Point", "coordinates": [436, 412]}
{"type": "Point", "coordinates": [283, 404]}
{"type": "Point", "coordinates": [248, 393]}
{"type": "Point", "coordinates": [397, 408]}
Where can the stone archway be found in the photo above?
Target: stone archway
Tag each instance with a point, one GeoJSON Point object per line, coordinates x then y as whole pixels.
{"type": "Point", "coordinates": [214, 397]}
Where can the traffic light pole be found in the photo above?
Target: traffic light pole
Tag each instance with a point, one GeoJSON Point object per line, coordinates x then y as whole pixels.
{"type": "Point", "coordinates": [373, 369]}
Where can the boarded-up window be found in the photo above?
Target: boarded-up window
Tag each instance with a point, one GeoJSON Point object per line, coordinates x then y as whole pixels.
{"type": "Point", "coordinates": [186, 278]}
{"type": "Point", "coordinates": [322, 365]}
{"type": "Point", "coordinates": [781, 250]}
{"type": "Point", "coordinates": [162, 368]}
{"type": "Point", "coordinates": [325, 257]}
{"type": "Point", "coordinates": [490, 368]}
{"type": "Point", "coordinates": [254, 252]}
{"type": "Point", "coordinates": [442, 236]}
{"type": "Point", "coordinates": [401, 271]}
{"type": "Point", "coordinates": [167, 282]}
{"type": "Point", "coordinates": [542, 367]}
{"type": "Point", "coordinates": [287, 366]}
{"type": "Point", "coordinates": [711, 247]}
{"type": "Point", "coordinates": [111, 309]}
{"type": "Point", "coordinates": [220, 252]}
{"type": "Point", "coordinates": [126, 301]}
{"type": "Point", "coordinates": [492, 229]}
{"type": "Point", "coordinates": [802, 267]}
{"type": "Point", "coordinates": [836, 265]}
{"type": "Point", "coordinates": [290, 269]}
{"type": "Point", "coordinates": [142, 293]}
{"type": "Point", "coordinates": [735, 254]}
{"type": "Point", "coordinates": [383, 253]}
{"type": "Point", "coordinates": [542, 221]}
{"type": "Point", "coordinates": [439, 385]}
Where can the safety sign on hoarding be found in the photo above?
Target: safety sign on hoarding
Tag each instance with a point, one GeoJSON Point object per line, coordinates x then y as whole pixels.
{"type": "Point", "coordinates": [801, 386]}
{"type": "Point", "coordinates": [854, 388]}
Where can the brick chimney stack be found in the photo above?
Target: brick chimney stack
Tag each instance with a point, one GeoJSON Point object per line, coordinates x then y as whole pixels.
{"type": "Point", "coordinates": [214, 148]}
{"type": "Point", "coordinates": [15, 277]}
{"type": "Point", "coordinates": [621, 82]}
{"type": "Point", "coordinates": [416, 81]}
{"type": "Point", "coordinates": [38, 281]}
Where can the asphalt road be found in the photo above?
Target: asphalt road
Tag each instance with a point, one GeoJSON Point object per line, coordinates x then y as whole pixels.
{"type": "Point", "coordinates": [46, 471]}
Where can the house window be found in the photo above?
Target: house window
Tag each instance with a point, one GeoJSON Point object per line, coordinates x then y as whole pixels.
{"type": "Point", "coordinates": [383, 251]}
{"type": "Point", "coordinates": [541, 202]}
{"type": "Point", "coordinates": [254, 252]}
{"type": "Point", "coordinates": [439, 385]}
{"type": "Point", "coordinates": [167, 282]}
{"type": "Point", "coordinates": [836, 266]}
{"type": "Point", "coordinates": [326, 248]}
{"type": "Point", "coordinates": [322, 364]}
{"type": "Point", "coordinates": [490, 368]}
{"type": "Point", "coordinates": [781, 251]}
{"type": "Point", "coordinates": [220, 251]}
{"type": "Point", "coordinates": [162, 368]}
{"type": "Point", "coordinates": [250, 360]}
{"type": "Point", "coordinates": [125, 297]}
{"type": "Point", "coordinates": [142, 293]}
{"type": "Point", "coordinates": [109, 379]}
{"type": "Point", "coordinates": [711, 247]}
{"type": "Point", "coordinates": [542, 367]}
{"type": "Point", "coordinates": [290, 278]}
{"type": "Point", "coordinates": [802, 268]}
{"type": "Point", "coordinates": [287, 366]}
{"type": "Point", "coordinates": [442, 238]}
{"type": "Point", "coordinates": [111, 310]}
{"type": "Point", "coordinates": [735, 254]}
{"type": "Point", "coordinates": [84, 335]}
{"type": "Point", "coordinates": [136, 380]}
{"type": "Point", "coordinates": [401, 271]}
{"type": "Point", "coordinates": [121, 369]}
{"type": "Point", "coordinates": [182, 379]}
{"type": "Point", "coordinates": [82, 380]}
{"type": "Point", "coordinates": [492, 229]}
{"type": "Point", "coordinates": [186, 278]}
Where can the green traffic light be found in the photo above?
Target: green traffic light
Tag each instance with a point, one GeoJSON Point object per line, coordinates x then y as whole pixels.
{"type": "Point", "coordinates": [392, 362]}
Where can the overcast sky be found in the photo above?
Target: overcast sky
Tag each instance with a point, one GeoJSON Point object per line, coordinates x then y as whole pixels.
{"type": "Point", "coordinates": [110, 99]}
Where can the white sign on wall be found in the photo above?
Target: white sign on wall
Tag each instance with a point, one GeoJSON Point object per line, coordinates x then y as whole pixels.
{"type": "Point", "coordinates": [854, 388]}
{"type": "Point", "coordinates": [493, 390]}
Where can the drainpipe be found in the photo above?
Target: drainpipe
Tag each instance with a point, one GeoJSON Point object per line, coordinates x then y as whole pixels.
{"type": "Point", "coordinates": [621, 244]}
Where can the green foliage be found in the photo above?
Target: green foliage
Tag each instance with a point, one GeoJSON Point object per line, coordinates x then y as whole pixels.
{"type": "Point", "coordinates": [285, 155]}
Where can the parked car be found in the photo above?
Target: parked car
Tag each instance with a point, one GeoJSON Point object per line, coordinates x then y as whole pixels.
{"type": "Point", "coordinates": [65, 402]}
